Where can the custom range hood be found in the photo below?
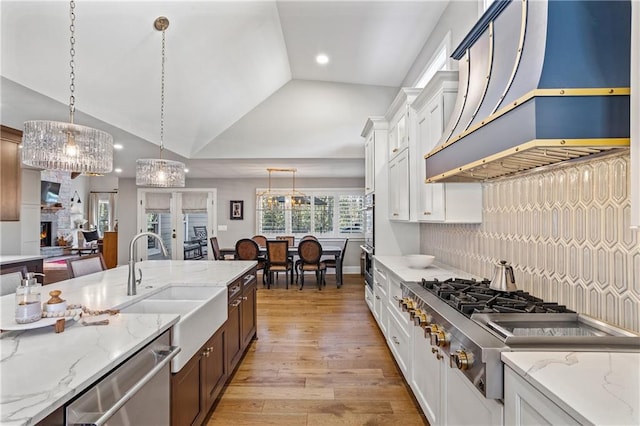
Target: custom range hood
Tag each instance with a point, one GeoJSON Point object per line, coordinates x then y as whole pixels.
{"type": "Point", "coordinates": [540, 82]}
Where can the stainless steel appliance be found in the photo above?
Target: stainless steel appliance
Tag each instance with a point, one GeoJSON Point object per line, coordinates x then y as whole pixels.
{"type": "Point", "coordinates": [368, 248]}
{"type": "Point", "coordinates": [472, 324]}
{"type": "Point", "coordinates": [135, 393]}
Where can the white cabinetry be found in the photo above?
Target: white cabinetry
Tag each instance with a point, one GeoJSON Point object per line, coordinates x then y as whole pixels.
{"type": "Point", "coordinates": [525, 405]}
{"type": "Point", "coordinates": [380, 296]}
{"type": "Point", "coordinates": [465, 405]}
{"type": "Point", "coordinates": [427, 376]}
{"type": "Point", "coordinates": [370, 164]}
{"type": "Point", "coordinates": [401, 129]}
{"type": "Point", "coordinates": [439, 202]}
{"type": "Point", "coordinates": [399, 187]}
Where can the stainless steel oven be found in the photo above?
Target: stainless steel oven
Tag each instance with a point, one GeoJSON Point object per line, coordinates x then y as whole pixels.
{"type": "Point", "coordinates": [368, 247]}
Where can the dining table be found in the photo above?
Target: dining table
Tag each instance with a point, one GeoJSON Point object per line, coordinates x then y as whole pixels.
{"type": "Point", "coordinates": [327, 250]}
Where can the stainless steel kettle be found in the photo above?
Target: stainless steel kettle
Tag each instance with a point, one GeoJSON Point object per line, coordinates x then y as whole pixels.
{"type": "Point", "coordinates": [503, 278]}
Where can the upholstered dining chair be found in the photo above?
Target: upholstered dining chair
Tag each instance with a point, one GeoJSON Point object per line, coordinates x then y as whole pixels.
{"type": "Point", "coordinates": [309, 237]}
{"type": "Point", "coordinates": [85, 265]}
{"type": "Point", "coordinates": [278, 260]}
{"type": "Point", "coordinates": [290, 238]}
{"type": "Point", "coordinates": [310, 253]}
{"type": "Point", "coordinates": [260, 239]}
{"type": "Point", "coordinates": [11, 278]}
{"type": "Point", "coordinates": [332, 263]}
{"type": "Point", "coordinates": [247, 249]}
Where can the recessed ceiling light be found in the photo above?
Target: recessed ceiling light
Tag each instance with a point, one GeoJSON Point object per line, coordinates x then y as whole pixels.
{"type": "Point", "coordinates": [186, 170]}
{"type": "Point", "coordinates": [117, 170]}
{"type": "Point", "coordinates": [117, 146]}
{"type": "Point", "coordinates": [322, 59]}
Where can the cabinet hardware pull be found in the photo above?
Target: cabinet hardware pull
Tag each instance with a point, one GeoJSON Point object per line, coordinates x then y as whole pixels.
{"type": "Point", "coordinates": [395, 340]}
{"type": "Point", "coordinates": [244, 297]}
{"type": "Point", "coordinates": [395, 150]}
{"type": "Point", "coordinates": [378, 297]}
{"type": "Point", "coordinates": [426, 213]}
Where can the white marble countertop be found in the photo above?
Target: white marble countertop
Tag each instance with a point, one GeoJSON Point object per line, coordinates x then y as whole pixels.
{"type": "Point", "coordinates": [41, 370]}
{"type": "Point", "coordinates": [8, 259]}
{"type": "Point", "coordinates": [599, 388]}
{"type": "Point", "coordinates": [399, 266]}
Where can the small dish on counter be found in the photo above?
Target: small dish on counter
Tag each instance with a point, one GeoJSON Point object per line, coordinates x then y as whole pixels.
{"type": "Point", "coordinates": [419, 261]}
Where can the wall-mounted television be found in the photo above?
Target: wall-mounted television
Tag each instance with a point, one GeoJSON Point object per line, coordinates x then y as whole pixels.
{"type": "Point", "coordinates": [49, 192]}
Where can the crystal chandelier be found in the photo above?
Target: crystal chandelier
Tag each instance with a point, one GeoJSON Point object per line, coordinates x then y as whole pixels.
{"type": "Point", "coordinates": [55, 145]}
{"type": "Point", "coordinates": [158, 172]}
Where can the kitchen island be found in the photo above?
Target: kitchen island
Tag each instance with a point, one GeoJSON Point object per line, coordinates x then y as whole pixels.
{"type": "Point", "coordinates": [41, 370]}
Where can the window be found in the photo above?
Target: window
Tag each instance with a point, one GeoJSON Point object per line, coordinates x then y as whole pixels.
{"type": "Point", "coordinates": [320, 212]}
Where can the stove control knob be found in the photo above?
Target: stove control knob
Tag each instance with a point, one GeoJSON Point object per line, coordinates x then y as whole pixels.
{"type": "Point", "coordinates": [461, 359]}
{"type": "Point", "coordinates": [419, 317]}
{"type": "Point", "coordinates": [414, 312]}
{"type": "Point", "coordinates": [431, 328]}
{"type": "Point", "coordinates": [403, 303]}
{"type": "Point", "coordinates": [440, 338]}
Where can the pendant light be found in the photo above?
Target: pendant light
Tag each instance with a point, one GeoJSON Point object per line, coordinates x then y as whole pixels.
{"type": "Point", "coordinates": [158, 172]}
{"type": "Point", "coordinates": [55, 145]}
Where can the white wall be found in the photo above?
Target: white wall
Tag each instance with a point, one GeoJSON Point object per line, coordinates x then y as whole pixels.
{"type": "Point", "coordinates": [458, 18]}
{"type": "Point", "coordinates": [325, 118]}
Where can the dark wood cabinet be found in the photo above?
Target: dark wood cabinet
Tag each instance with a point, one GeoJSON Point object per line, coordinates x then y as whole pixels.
{"type": "Point", "coordinates": [10, 174]}
{"type": "Point", "coordinates": [195, 388]}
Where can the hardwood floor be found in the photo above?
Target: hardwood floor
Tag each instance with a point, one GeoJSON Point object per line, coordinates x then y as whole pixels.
{"type": "Point", "coordinates": [319, 360]}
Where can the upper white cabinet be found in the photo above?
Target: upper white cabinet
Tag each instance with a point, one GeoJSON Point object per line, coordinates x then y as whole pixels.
{"type": "Point", "coordinates": [399, 187]}
{"type": "Point", "coordinates": [401, 131]}
{"type": "Point", "coordinates": [439, 202]}
{"type": "Point", "coordinates": [399, 117]}
{"type": "Point", "coordinates": [369, 164]}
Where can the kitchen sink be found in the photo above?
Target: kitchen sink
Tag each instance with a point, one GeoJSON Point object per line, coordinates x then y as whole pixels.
{"type": "Point", "coordinates": [146, 306]}
{"type": "Point", "coordinates": [183, 292]}
{"type": "Point", "coordinates": [202, 310]}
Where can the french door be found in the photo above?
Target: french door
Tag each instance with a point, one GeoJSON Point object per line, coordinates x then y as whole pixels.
{"type": "Point", "coordinates": [184, 219]}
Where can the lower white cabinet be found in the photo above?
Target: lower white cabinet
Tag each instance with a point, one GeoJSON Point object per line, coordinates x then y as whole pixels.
{"type": "Point", "coordinates": [400, 342]}
{"type": "Point", "coordinates": [427, 376]}
{"type": "Point", "coordinates": [465, 405]}
{"type": "Point", "coordinates": [380, 296]}
{"type": "Point", "coordinates": [525, 405]}
{"type": "Point", "coordinates": [368, 297]}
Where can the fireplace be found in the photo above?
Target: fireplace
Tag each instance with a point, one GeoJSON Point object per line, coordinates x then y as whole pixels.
{"type": "Point", "coordinates": [46, 231]}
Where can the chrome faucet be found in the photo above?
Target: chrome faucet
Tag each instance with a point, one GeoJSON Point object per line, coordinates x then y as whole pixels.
{"type": "Point", "coordinates": [133, 281]}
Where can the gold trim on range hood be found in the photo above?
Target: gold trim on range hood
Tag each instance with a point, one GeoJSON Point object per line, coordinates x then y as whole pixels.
{"type": "Point", "coordinates": [532, 154]}
{"type": "Point", "coordinates": [529, 155]}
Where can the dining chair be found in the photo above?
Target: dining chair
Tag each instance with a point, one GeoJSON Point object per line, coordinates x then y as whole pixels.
{"type": "Point", "coordinates": [91, 239]}
{"type": "Point", "coordinates": [11, 278]}
{"type": "Point", "coordinates": [85, 265]}
{"type": "Point", "coordinates": [332, 263]}
{"type": "Point", "coordinates": [278, 260]}
{"type": "Point", "coordinates": [247, 249]}
{"type": "Point", "coordinates": [309, 237]}
{"type": "Point", "coordinates": [310, 253]}
{"type": "Point", "coordinates": [260, 239]}
{"type": "Point", "coordinates": [215, 247]}
{"type": "Point", "coordinates": [290, 238]}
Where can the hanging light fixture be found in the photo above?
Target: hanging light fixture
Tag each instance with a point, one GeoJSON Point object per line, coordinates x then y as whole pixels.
{"type": "Point", "coordinates": [75, 198]}
{"type": "Point", "coordinates": [272, 199]}
{"type": "Point", "coordinates": [55, 145]}
{"type": "Point", "coordinates": [159, 172]}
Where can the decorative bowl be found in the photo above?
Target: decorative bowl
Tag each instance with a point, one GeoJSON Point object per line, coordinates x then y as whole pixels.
{"type": "Point", "coordinates": [419, 261]}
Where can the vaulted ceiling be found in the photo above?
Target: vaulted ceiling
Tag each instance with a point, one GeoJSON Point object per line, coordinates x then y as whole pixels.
{"type": "Point", "coordinates": [243, 90]}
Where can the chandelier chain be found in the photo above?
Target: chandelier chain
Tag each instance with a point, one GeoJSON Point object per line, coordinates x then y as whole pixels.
{"type": "Point", "coordinates": [72, 62]}
{"type": "Point", "coordinates": [162, 97]}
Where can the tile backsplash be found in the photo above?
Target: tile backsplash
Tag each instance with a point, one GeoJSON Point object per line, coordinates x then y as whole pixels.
{"type": "Point", "coordinates": [566, 233]}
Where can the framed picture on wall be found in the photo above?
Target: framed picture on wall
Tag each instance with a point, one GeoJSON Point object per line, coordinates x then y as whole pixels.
{"type": "Point", "coordinates": [236, 210]}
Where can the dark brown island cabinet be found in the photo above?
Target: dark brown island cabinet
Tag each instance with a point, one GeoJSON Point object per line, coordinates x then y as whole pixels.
{"type": "Point", "coordinates": [196, 387]}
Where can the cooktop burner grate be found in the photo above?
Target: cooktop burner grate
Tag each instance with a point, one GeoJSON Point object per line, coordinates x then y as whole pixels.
{"type": "Point", "coordinates": [471, 296]}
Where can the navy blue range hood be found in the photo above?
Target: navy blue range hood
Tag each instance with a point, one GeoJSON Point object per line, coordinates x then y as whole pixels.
{"type": "Point", "coordinates": [540, 82]}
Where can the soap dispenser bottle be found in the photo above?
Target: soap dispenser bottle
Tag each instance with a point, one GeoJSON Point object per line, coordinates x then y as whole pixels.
{"type": "Point", "coordinates": [28, 303]}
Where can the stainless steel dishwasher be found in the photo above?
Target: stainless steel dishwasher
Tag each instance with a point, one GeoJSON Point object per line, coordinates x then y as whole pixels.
{"type": "Point", "coordinates": [136, 393]}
